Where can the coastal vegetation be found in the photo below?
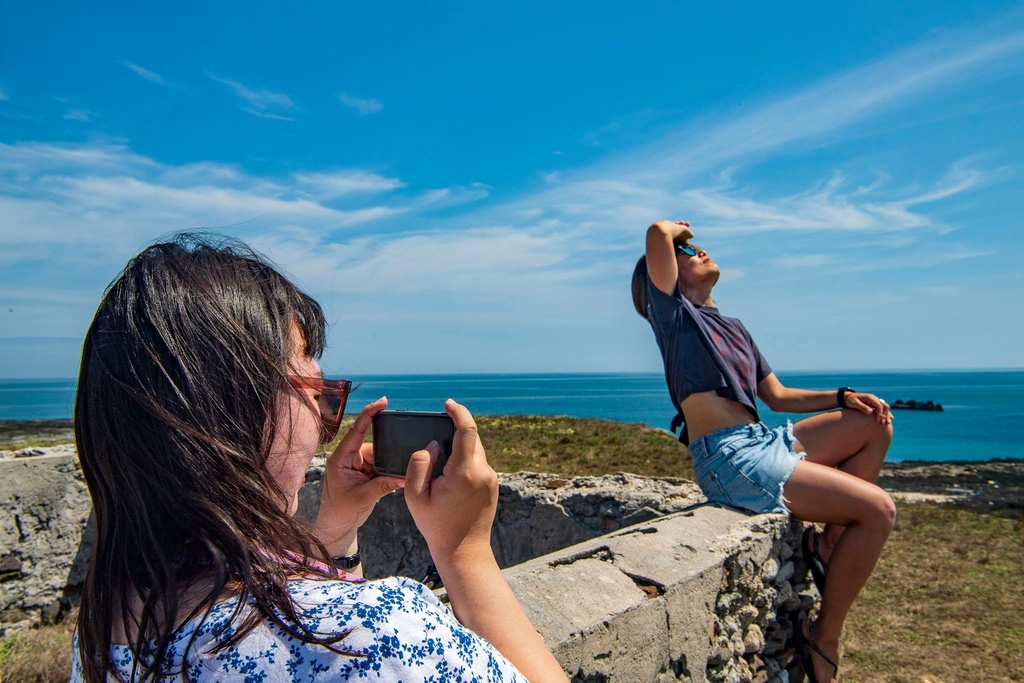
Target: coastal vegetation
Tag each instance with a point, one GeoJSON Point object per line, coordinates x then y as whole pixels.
{"type": "Point", "coordinates": [943, 605]}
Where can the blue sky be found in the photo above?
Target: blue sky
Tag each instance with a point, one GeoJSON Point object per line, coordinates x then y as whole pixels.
{"type": "Point", "coordinates": [465, 187]}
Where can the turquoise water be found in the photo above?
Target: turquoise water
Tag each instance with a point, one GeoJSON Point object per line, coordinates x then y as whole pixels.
{"type": "Point", "coordinates": [983, 417]}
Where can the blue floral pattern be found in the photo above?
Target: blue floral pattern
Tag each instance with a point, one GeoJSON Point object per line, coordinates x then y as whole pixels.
{"type": "Point", "coordinates": [397, 631]}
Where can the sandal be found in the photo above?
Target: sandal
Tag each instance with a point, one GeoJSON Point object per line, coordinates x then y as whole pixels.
{"type": "Point", "coordinates": [804, 647]}
{"type": "Point", "coordinates": [809, 544]}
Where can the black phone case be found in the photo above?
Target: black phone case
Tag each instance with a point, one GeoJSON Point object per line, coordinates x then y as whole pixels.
{"type": "Point", "coordinates": [399, 433]}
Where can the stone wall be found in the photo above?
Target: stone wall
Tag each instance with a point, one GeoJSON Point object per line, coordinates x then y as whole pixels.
{"type": "Point", "coordinates": [628, 578]}
{"type": "Point", "coordinates": [45, 512]}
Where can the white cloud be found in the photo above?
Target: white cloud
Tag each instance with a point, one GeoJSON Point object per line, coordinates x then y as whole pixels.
{"type": "Point", "coordinates": [79, 115]}
{"type": "Point", "coordinates": [261, 102]}
{"type": "Point", "coordinates": [363, 106]}
{"type": "Point", "coordinates": [145, 74]}
{"type": "Point", "coordinates": [344, 183]}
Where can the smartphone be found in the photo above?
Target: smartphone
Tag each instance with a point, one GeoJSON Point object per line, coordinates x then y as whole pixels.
{"type": "Point", "coordinates": [397, 434]}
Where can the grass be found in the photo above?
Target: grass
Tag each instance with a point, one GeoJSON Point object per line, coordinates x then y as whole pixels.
{"type": "Point", "coordinates": [579, 447]}
{"type": "Point", "coordinates": [18, 434]}
{"type": "Point", "coordinates": [944, 604]}
{"type": "Point", "coordinates": [41, 655]}
{"type": "Point", "coordinates": [575, 447]}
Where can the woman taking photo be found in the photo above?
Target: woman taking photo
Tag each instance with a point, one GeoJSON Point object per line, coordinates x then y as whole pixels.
{"type": "Point", "coordinates": [200, 406]}
{"type": "Point", "coordinates": [822, 469]}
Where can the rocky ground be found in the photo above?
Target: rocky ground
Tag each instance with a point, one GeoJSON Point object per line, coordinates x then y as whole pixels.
{"type": "Point", "coordinates": [988, 486]}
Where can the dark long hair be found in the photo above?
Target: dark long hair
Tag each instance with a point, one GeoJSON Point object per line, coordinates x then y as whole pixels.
{"type": "Point", "coordinates": [182, 368]}
{"type": "Point", "coordinates": [640, 278]}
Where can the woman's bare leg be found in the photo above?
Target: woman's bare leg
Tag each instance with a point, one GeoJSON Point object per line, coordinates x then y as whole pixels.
{"type": "Point", "coordinates": [866, 514]}
{"type": "Point", "coordinates": [848, 440]}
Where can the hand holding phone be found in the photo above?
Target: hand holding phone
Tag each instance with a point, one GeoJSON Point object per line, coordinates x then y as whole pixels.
{"type": "Point", "coordinates": [397, 434]}
{"type": "Point", "coordinates": [454, 512]}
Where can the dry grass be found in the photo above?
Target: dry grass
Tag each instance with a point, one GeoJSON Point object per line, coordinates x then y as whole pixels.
{"type": "Point", "coordinates": [42, 655]}
{"type": "Point", "coordinates": [945, 603]}
{"type": "Point", "coordinates": [576, 447]}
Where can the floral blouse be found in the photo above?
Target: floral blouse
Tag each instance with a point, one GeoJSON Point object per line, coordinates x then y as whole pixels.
{"type": "Point", "coordinates": [398, 631]}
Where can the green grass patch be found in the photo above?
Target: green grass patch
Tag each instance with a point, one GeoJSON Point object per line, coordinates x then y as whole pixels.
{"type": "Point", "coordinates": [574, 447]}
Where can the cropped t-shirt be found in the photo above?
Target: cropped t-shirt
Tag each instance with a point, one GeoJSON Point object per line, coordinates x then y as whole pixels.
{"type": "Point", "coordinates": [704, 350]}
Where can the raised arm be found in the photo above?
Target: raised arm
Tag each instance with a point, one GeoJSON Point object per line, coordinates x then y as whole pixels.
{"type": "Point", "coordinates": [662, 267]}
{"type": "Point", "coordinates": [784, 399]}
{"type": "Point", "coordinates": [454, 513]}
{"type": "Point", "coordinates": [351, 489]}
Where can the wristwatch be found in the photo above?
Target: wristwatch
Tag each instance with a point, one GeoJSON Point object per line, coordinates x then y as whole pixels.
{"type": "Point", "coordinates": [347, 561]}
{"type": "Point", "coordinates": [841, 396]}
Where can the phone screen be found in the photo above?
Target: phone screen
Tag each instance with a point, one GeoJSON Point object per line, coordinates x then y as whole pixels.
{"type": "Point", "coordinates": [397, 434]}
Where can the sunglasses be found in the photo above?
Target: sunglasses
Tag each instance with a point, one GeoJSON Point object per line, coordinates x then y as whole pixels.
{"type": "Point", "coordinates": [687, 249]}
{"type": "Point", "coordinates": [330, 396]}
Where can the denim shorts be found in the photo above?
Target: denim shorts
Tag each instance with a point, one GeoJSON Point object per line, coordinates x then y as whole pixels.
{"type": "Point", "coordinates": [746, 466]}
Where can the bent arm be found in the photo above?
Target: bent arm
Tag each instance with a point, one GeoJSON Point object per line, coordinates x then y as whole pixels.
{"type": "Point", "coordinates": [483, 602]}
{"type": "Point", "coordinates": [454, 513]}
{"type": "Point", "coordinates": [784, 399]}
{"type": "Point", "coordinates": [661, 253]}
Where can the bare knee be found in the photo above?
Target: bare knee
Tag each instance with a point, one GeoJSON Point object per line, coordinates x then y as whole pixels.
{"type": "Point", "coordinates": [883, 433]}
{"type": "Point", "coordinates": [882, 516]}
{"type": "Point", "coordinates": [877, 433]}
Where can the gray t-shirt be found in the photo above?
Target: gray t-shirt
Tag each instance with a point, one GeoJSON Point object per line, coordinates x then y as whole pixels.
{"type": "Point", "coordinates": [704, 350]}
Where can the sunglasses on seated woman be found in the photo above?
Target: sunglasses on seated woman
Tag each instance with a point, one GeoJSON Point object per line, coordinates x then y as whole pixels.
{"type": "Point", "coordinates": [330, 396]}
{"type": "Point", "coordinates": [688, 249]}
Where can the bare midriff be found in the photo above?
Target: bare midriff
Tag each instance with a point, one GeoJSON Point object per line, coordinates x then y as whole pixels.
{"type": "Point", "coordinates": [708, 412]}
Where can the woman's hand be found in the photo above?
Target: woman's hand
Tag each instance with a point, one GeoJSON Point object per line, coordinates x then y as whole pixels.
{"type": "Point", "coordinates": [870, 404]}
{"type": "Point", "coordinates": [454, 512]}
{"type": "Point", "coordinates": [679, 231]}
{"type": "Point", "coordinates": [351, 486]}
{"type": "Point", "coordinates": [662, 264]}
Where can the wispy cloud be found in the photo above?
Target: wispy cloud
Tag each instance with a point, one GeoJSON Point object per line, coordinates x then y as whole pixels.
{"type": "Point", "coordinates": [143, 73]}
{"type": "Point", "coordinates": [611, 200]}
{"type": "Point", "coordinates": [4, 97]}
{"type": "Point", "coordinates": [363, 106]}
{"type": "Point", "coordinates": [80, 115]}
{"type": "Point", "coordinates": [345, 183]}
{"type": "Point", "coordinates": [888, 85]}
{"type": "Point", "coordinates": [259, 102]}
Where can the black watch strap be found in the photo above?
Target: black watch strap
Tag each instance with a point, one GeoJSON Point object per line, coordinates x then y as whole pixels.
{"type": "Point", "coordinates": [841, 396]}
{"type": "Point", "coordinates": [347, 561]}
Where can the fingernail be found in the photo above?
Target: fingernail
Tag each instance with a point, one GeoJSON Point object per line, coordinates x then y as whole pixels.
{"type": "Point", "coordinates": [381, 398]}
{"type": "Point", "coordinates": [449, 400]}
{"type": "Point", "coordinates": [401, 483]}
{"type": "Point", "coordinates": [433, 448]}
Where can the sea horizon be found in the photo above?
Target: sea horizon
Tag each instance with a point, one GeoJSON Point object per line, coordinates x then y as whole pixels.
{"type": "Point", "coordinates": [983, 416]}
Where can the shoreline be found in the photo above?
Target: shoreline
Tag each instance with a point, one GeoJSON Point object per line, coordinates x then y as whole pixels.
{"type": "Point", "coordinates": [983, 485]}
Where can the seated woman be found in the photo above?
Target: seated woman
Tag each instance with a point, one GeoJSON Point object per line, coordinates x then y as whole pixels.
{"type": "Point", "coordinates": [822, 469]}
{"type": "Point", "coordinates": [200, 405]}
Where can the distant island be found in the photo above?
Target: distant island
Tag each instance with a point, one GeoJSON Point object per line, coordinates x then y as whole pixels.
{"type": "Point", "coordinates": [917, 405]}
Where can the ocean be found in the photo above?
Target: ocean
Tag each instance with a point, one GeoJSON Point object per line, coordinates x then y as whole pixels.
{"type": "Point", "coordinates": [983, 417]}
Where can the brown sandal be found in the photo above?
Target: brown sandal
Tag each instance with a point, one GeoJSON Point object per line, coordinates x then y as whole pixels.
{"type": "Point", "coordinates": [818, 567]}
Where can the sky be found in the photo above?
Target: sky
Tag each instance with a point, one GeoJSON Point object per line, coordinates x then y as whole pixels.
{"type": "Point", "coordinates": [465, 187]}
